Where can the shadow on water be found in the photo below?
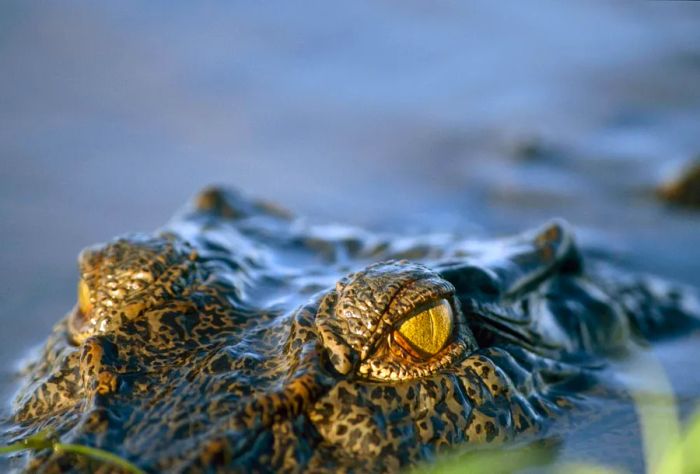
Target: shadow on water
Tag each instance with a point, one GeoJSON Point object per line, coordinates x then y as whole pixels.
{"type": "Point", "coordinates": [447, 118]}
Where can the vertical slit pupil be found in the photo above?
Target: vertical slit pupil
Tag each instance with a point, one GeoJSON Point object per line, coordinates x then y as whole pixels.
{"type": "Point", "coordinates": [428, 331]}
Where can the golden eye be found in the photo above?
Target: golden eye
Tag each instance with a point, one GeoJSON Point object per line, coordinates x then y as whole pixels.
{"type": "Point", "coordinates": [84, 304]}
{"type": "Point", "coordinates": [426, 333]}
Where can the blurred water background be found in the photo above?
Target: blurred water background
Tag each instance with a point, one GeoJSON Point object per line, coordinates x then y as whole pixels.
{"type": "Point", "coordinates": [473, 117]}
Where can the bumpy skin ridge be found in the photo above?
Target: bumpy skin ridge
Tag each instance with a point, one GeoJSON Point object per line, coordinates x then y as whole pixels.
{"type": "Point", "coordinates": [240, 339]}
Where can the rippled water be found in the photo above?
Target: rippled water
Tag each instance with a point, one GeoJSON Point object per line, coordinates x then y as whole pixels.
{"type": "Point", "coordinates": [397, 116]}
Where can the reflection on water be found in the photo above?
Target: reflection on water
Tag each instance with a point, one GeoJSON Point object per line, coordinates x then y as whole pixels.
{"type": "Point", "coordinates": [404, 117]}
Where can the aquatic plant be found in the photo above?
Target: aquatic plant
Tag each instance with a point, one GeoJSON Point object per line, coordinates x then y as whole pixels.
{"type": "Point", "coordinates": [48, 440]}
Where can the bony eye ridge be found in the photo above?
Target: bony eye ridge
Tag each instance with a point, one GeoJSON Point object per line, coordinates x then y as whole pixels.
{"type": "Point", "coordinates": [426, 333]}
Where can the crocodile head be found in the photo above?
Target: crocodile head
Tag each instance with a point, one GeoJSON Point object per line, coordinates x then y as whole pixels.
{"type": "Point", "coordinates": [239, 338]}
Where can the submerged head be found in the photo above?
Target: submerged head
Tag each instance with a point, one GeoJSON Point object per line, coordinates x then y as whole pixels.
{"type": "Point", "coordinates": [190, 354]}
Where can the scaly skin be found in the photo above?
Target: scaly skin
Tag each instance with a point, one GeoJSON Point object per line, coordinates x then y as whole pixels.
{"type": "Point", "coordinates": [236, 339]}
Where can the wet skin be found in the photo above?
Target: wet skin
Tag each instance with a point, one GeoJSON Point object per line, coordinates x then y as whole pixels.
{"type": "Point", "coordinates": [239, 338]}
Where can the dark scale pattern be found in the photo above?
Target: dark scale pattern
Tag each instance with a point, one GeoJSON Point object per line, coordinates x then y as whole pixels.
{"type": "Point", "coordinates": [240, 339]}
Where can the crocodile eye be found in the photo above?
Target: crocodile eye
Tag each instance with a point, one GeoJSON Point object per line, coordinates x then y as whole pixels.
{"type": "Point", "coordinates": [80, 314]}
{"type": "Point", "coordinates": [426, 333]}
{"type": "Point", "coordinates": [84, 304]}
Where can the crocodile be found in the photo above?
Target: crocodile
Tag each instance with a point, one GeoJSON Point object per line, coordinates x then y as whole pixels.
{"type": "Point", "coordinates": [240, 338]}
{"type": "Point", "coordinates": [684, 189]}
